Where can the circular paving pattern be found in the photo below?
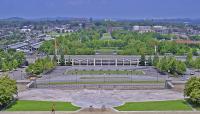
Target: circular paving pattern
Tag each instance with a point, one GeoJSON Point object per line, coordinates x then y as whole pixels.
{"type": "Point", "coordinates": [95, 98]}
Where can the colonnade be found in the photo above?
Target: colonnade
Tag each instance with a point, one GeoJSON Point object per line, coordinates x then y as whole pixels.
{"type": "Point", "coordinates": [101, 62]}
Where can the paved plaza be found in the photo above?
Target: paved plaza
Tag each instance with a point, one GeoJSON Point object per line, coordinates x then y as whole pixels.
{"type": "Point", "coordinates": [97, 98]}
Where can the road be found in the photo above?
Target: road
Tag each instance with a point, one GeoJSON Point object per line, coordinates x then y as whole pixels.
{"type": "Point", "coordinates": [18, 74]}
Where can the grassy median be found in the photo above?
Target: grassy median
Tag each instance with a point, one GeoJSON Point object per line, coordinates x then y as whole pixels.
{"type": "Point", "coordinates": [101, 72]}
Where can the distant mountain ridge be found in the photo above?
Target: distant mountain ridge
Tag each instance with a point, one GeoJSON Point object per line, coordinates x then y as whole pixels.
{"type": "Point", "coordinates": [178, 20]}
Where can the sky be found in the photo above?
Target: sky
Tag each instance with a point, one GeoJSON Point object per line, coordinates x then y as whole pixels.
{"type": "Point", "coordinates": [123, 9]}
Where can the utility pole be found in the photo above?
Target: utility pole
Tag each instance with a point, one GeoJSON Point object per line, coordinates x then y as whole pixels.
{"type": "Point", "coordinates": [155, 49]}
{"type": "Point", "coordinates": [55, 46]}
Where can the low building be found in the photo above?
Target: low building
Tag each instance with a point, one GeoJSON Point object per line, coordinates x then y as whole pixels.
{"type": "Point", "coordinates": [17, 46]}
{"type": "Point", "coordinates": [25, 30]}
{"type": "Point", "coordinates": [35, 47]}
{"type": "Point", "coordinates": [142, 29]}
{"type": "Point", "coordinates": [161, 29]}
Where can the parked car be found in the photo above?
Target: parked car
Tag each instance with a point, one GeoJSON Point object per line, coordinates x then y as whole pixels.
{"type": "Point", "coordinates": [192, 73]}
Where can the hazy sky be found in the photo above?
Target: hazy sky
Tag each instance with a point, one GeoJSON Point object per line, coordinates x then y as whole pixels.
{"type": "Point", "coordinates": [132, 9]}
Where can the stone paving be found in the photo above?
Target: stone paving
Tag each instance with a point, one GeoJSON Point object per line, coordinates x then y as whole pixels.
{"type": "Point", "coordinates": [99, 111]}
{"type": "Point", "coordinates": [97, 98]}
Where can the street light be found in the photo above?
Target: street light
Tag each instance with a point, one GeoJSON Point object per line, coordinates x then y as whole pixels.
{"type": "Point", "coordinates": [104, 77]}
{"type": "Point", "coordinates": [131, 76]}
{"type": "Point", "coordinates": [157, 76]}
{"type": "Point", "coordinates": [168, 73]}
{"type": "Point", "coordinates": [76, 77]}
{"type": "Point", "coordinates": [21, 74]}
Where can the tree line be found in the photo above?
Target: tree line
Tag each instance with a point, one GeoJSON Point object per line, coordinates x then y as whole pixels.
{"type": "Point", "coordinates": [144, 43]}
{"type": "Point", "coordinates": [191, 62]}
{"type": "Point", "coordinates": [192, 90]}
{"type": "Point", "coordinates": [85, 42]}
{"type": "Point", "coordinates": [11, 60]}
{"type": "Point", "coordinates": [8, 88]}
{"type": "Point", "coordinates": [40, 66]}
{"type": "Point", "coordinates": [169, 65]}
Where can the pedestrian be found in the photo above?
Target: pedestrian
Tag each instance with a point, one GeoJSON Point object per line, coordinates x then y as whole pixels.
{"type": "Point", "coordinates": [53, 109]}
{"type": "Point", "coordinates": [91, 108]}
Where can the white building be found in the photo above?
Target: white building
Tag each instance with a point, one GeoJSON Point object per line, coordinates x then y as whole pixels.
{"type": "Point", "coordinates": [142, 29]}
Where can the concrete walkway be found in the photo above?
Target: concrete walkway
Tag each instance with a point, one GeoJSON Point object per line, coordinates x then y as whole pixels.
{"type": "Point", "coordinates": [108, 111]}
{"type": "Point", "coordinates": [97, 98]}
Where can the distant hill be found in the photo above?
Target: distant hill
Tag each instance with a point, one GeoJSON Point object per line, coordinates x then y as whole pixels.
{"type": "Point", "coordinates": [14, 19]}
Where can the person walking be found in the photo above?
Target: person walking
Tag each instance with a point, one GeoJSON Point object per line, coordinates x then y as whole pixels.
{"type": "Point", "coordinates": [53, 109]}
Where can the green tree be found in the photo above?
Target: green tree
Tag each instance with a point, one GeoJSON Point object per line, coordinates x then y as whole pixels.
{"type": "Point", "coordinates": [150, 62]}
{"type": "Point", "coordinates": [40, 66]}
{"type": "Point", "coordinates": [15, 64]}
{"type": "Point", "coordinates": [155, 60]}
{"type": "Point", "coordinates": [197, 63]}
{"type": "Point", "coordinates": [62, 60]}
{"type": "Point", "coordinates": [55, 59]}
{"type": "Point", "coordinates": [142, 60]}
{"type": "Point", "coordinates": [192, 89]}
{"type": "Point", "coordinates": [1, 63]}
{"type": "Point", "coordinates": [163, 65]}
{"type": "Point", "coordinates": [4, 67]}
{"type": "Point", "coordinates": [189, 59]}
{"type": "Point", "coordinates": [19, 56]}
{"type": "Point", "coordinates": [180, 67]}
{"type": "Point", "coordinates": [171, 65]}
{"type": "Point", "coordinates": [8, 88]}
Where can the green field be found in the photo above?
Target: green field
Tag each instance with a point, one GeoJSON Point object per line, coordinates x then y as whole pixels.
{"type": "Point", "coordinates": [23, 105]}
{"type": "Point", "coordinates": [106, 82]}
{"type": "Point", "coordinates": [101, 72]}
{"type": "Point", "coordinates": [175, 105]}
{"type": "Point", "coordinates": [105, 50]}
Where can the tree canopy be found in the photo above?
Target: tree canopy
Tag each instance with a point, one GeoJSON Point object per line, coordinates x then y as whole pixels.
{"type": "Point", "coordinates": [86, 42]}
{"type": "Point", "coordinates": [192, 90]}
{"type": "Point", "coordinates": [40, 66]}
{"type": "Point", "coordinates": [171, 65]}
{"type": "Point", "coordinates": [11, 60]}
{"type": "Point", "coordinates": [7, 89]}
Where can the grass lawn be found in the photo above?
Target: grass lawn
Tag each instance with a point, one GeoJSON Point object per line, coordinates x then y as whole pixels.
{"type": "Point", "coordinates": [23, 105]}
{"type": "Point", "coordinates": [101, 72]}
{"type": "Point", "coordinates": [175, 105]}
{"type": "Point", "coordinates": [111, 82]}
{"type": "Point", "coordinates": [105, 50]}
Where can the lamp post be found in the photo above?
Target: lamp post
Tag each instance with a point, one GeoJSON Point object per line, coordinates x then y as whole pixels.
{"type": "Point", "coordinates": [157, 76]}
{"type": "Point", "coordinates": [131, 76]}
{"type": "Point", "coordinates": [104, 77]}
{"type": "Point", "coordinates": [21, 74]}
{"type": "Point", "coordinates": [31, 72]}
{"type": "Point", "coordinates": [76, 77]}
{"type": "Point", "coordinates": [168, 74]}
